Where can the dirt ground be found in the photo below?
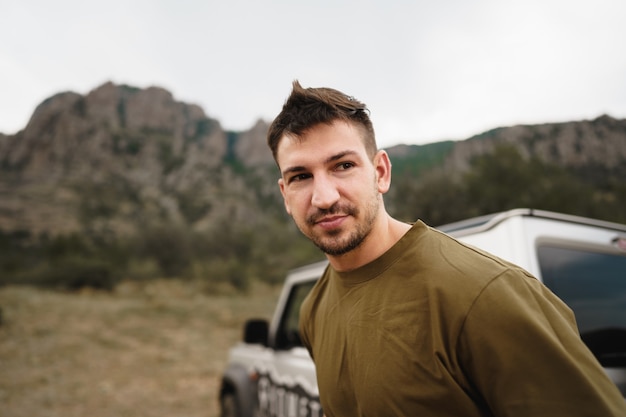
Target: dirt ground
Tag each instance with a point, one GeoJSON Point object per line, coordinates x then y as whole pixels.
{"type": "Point", "coordinates": [150, 350]}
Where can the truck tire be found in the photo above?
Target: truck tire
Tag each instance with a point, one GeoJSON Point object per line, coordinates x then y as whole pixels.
{"type": "Point", "coordinates": [228, 404]}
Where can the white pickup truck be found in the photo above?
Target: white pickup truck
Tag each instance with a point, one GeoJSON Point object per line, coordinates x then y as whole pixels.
{"type": "Point", "coordinates": [582, 260]}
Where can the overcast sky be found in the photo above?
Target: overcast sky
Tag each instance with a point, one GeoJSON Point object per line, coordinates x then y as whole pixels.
{"type": "Point", "coordinates": [428, 70]}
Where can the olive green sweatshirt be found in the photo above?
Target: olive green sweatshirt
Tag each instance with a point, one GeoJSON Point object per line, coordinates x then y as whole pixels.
{"type": "Point", "coordinates": [437, 328]}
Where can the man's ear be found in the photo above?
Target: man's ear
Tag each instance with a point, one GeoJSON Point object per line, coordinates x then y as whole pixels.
{"type": "Point", "coordinates": [382, 165]}
{"type": "Point", "coordinates": [281, 185]}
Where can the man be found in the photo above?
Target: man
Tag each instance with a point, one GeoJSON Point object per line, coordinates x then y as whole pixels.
{"type": "Point", "coordinates": [407, 321]}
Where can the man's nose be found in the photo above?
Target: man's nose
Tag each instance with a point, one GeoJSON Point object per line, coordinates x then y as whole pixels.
{"type": "Point", "coordinates": [325, 192]}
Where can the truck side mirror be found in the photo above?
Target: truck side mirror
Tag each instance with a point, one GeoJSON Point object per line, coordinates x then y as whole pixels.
{"type": "Point", "coordinates": [256, 331]}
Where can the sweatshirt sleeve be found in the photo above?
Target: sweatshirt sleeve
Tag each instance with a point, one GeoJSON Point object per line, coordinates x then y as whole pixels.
{"type": "Point", "coordinates": [520, 348]}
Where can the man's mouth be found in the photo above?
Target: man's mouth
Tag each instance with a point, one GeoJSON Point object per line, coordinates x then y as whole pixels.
{"type": "Point", "coordinates": [330, 222]}
{"type": "Point", "coordinates": [331, 218]}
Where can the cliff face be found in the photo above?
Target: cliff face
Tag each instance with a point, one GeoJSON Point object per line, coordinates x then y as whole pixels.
{"type": "Point", "coordinates": [251, 147]}
{"type": "Point", "coordinates": [119, 159]}
{"type": "Point", "coordinates": [110, 158]}
{"type": "Point", "coordinates": [600, 142]}
{"type": "Point", "coordinates": [110, 127]}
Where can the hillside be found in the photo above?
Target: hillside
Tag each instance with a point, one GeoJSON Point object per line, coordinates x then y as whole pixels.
{"type": "Point", "coordinates": [135, 174]}
{"type": "Point", "coordinates": [120, 157]}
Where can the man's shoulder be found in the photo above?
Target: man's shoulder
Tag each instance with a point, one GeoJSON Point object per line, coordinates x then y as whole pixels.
{"type": "Point", "coordinates": [445, 261]}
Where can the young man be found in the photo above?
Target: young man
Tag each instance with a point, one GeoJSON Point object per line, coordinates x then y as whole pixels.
{"type": "Point", "coordinates": [407, 321]}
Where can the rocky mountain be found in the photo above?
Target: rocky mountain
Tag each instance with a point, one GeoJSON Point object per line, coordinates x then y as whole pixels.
{"type": "Point", "coordinates": [598, 142]}
{"type": "Point", "coordinates": [120, 159]}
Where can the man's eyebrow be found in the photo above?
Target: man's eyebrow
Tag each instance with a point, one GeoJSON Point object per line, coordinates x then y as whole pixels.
{"type": "Point", "coordinates": [292, 170]}
{"type": "Point", "coordinates": [332, 158]}
{"type": "Point", "coordinates": [339, 155]}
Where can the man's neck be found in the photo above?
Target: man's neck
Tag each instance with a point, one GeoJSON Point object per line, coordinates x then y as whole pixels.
{"type": "Point", "coordinates": [385, 234]}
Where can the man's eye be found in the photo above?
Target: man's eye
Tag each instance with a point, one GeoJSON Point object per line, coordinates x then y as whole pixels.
{"type": "Point", "coordinates": [299, 177]}
{"type": "Point", "coordinates": [345, 165]}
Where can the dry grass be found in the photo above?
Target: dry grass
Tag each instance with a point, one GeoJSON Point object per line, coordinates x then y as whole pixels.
{"type": "Point", "coordinates": [156, 349]}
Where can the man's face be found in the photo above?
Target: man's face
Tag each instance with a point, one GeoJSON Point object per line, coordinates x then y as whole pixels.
{"type": "Point", "coordinates": [330, 186]}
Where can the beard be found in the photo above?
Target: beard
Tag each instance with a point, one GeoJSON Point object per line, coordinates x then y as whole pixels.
{"type": "Point", "coordinates": [340, 241]}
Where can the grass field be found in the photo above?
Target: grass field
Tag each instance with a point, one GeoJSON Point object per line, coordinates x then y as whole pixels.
{"type": "Point", "coordinates": [145, 350]}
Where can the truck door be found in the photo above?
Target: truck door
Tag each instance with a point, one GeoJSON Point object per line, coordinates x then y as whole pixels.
{"type": "Point", "coordinates": [592, 282]}
{"type": "Point", "coordinates": [290, 388]}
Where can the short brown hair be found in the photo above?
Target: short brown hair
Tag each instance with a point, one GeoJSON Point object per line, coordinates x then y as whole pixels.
{"type": "Point", "coordinates": [308, 107]}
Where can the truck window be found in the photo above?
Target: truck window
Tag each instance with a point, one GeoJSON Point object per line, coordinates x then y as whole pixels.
{"type": "Point", "coordinates": [593, 285]}
{"type": "Point", "coordinates": [288, 335]}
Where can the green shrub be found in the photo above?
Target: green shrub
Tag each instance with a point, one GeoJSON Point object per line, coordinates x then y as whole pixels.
{"type": "Point", "coordinates": [72, 273]}
{"type": "Point", "coordinates": [168, 245]}
{"type": "Point", "coordinates": [217, 272]}
{"type": "Point", "coordinates": [140, 269]}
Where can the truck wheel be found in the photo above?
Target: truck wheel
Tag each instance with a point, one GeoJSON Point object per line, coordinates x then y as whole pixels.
{"type": "Point", "coordinates": [229, 405]}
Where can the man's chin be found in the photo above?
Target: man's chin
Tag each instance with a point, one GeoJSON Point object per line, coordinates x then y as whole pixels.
{"type": "Point", "coordinates": [336, 247]}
